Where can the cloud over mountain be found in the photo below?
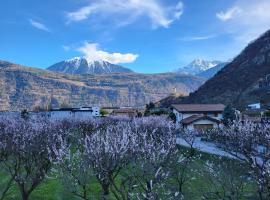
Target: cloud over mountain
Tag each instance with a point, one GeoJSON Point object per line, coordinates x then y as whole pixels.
{"type": "Point", "coordinates": [92, 52]}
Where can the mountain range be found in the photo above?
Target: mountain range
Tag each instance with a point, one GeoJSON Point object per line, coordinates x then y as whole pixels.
{"type": "Point", "coordinates": [84, 83]}
{"type": "Point", "coordinates": [238, 83]}
{"type": "Point", "coordinates": [83, 65]}
{"type": "Point", "coordinates": [26, 88]}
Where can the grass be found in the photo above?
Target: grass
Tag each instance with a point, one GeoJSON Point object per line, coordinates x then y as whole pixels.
{"type": "Point", "coordinates": [52, 189]}
{"type": "Point", "coordinates": [199, 184]}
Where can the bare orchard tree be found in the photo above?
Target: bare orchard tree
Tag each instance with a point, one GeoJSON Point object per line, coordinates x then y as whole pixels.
{"type": "Point", "coordinates": [250, 143]}
{"type": "Point", "coordinates": [182, 161]}
{"type": "Point", "coordinates": [130, 157]}
{"type": "Point", "coordinates": [156, 143]}
{"type": "Point", "coordinates": [226, 179]}
{"type": "Point", "coordinates": [75, 172]}
{"type": "Point", "coordinates": [31, 147]}
{"type": "Point", "coordinates": [7, 181]}
{"type": "Point", "coordinates": [108, 151]}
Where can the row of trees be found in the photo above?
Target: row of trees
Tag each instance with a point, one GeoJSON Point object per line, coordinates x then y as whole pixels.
{"type": "Point", "coordinates": [128, 158]}
{"type": "Point", "coordinates": [28, 150]}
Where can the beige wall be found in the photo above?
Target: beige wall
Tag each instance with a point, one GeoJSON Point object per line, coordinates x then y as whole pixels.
{"type": "Point", "coordinates": [191, 126]}
{"type": "Point", "coordinates": [180, 116]}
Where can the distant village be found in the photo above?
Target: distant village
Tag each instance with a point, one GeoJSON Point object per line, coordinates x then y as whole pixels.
{"type": "Point", "coordinates": [188, 116]}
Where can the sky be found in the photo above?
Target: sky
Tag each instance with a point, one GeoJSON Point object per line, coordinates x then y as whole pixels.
{"type": "Point", "coordinates": [147, 36]}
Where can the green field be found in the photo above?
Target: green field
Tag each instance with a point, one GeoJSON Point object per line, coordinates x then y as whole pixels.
{"type": "Point", "coordinates": [230, 172]}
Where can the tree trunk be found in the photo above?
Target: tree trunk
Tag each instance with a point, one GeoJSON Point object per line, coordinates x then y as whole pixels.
{"type": "Point", "coordinates": [260, 192]}
{"type": "Point", "coordinates": [85, 193]}
{"type": "Point", "coordinates": [25, 195]}
{"type": "Point", "coordinates": [106, 190]}
{"type": "Point", "coordinates": [149, 191]}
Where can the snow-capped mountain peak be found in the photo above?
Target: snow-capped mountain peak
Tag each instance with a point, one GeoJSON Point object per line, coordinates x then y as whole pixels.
{"type": "Point", "coordinates": [197, 66]}
{"type": "Point", "coordinates": [83, 65]}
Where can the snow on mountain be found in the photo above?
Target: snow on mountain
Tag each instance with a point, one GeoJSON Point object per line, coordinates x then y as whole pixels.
{"type": "Point", "coordinates": [83, 65]}
{"type": "Point", "coordinates": [198, 66]}
{"type": "Point", "coordinates": [239, 82]}
{"type": "Point", "coordinates": [212, 71]}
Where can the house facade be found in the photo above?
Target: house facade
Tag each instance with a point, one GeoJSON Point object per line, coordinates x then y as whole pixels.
{"type": "Point", "coordinates": [78, 113]}
{"type": "Point", "coordinates": [128, 112]}
{"type": "Point", "coordinates": [198, 116]}
{"type": "Point", "coordinates": [254, 106]}
{"type": "Point", "coordinates": [254, 113]}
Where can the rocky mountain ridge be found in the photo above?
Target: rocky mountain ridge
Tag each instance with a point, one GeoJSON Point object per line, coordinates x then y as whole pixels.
{"type": "Point", "coordinates": [238, 83]}
{"type": "Point", "coordinates": [26, 88]}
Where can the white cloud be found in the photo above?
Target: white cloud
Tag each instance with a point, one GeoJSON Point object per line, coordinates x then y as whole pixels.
{"type": "Point", "coordinates": [127, 11]}
{"type": "Point", "coordinates": [250, 22]}
{"type": "Point", "coordinates": [229, 14]}
{"type": "Point", "coordinates": [66, 48]}
{"type": "Point", "coordinates": [197, 38]}
{"type": "Point", "coordinates": [39, 25]}
{"type": "Point", "coordinates": [92, 52]}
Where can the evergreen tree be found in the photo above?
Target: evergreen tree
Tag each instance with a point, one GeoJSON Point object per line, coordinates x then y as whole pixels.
{"type": "Point", "coordinates": [150, 106]}
{"type": "Point", "coordinates": [25, 114]}
{"type": "Point", "coordinates": [228, 115]}
{"type": "Point", "coordinates": [103, 112]}
{"type": "Point", "coordinates": [172, 117]}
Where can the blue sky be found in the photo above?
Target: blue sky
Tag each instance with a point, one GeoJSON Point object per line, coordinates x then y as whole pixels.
{"type": "Point", "coordinates": [148, 36]}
